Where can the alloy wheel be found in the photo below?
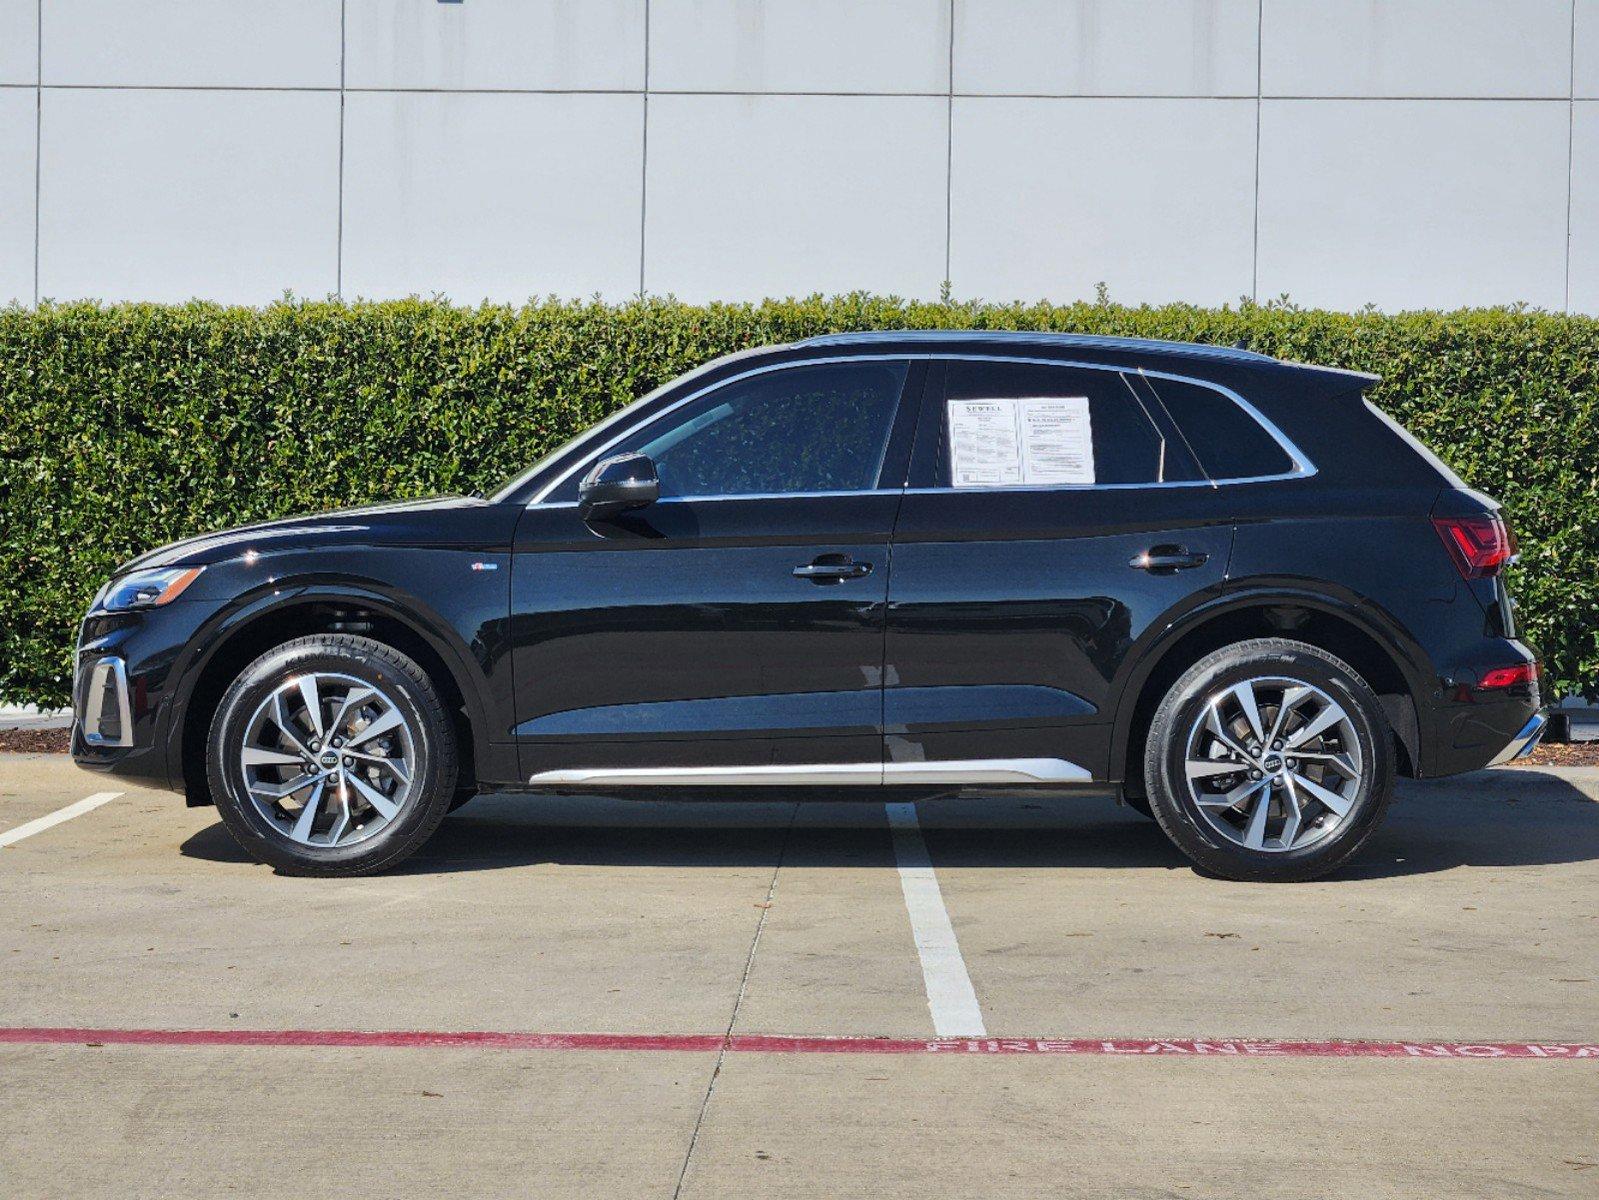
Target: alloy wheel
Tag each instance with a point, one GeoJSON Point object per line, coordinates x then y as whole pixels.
{"type": "Point", "coordinates": [1273, 764]}
{"type": "Point", "coordinates": [328, 759]}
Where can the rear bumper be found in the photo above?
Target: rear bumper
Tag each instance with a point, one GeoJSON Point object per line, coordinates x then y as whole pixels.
{"type": "Point", "coordinates": [1525, 741]}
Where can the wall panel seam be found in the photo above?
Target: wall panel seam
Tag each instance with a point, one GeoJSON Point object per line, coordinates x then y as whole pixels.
{"type": "Point", "coordinates": [1254, 251]}
{"type": "Point", "coordinates": [1571, 149]}
{"type": "Point", "coordinates": [949, 156]}
{"type": "Point", "coordinates": [338, 244]}
{"type": "Point", "coordinates": [38, 139]}
{"type": "Point", "coordinates": [644, 158]}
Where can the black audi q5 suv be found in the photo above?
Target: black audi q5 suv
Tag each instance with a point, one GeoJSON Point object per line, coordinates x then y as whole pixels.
{"type": "Point", "coordinates": [873, 565]}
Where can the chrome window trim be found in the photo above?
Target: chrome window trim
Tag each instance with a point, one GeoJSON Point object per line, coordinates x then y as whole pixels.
{"type": "Point", "coordinates": [1303, 467]}
{"type": "Point", "coordinates": [870, 774]}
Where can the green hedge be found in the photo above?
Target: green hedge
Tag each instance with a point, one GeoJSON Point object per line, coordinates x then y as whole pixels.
{"type": "Point", "coordinates": [127, 426]}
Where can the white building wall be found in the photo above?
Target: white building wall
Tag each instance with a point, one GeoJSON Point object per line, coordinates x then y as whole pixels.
{"type": "Point", "coordinates": [1403, 153]}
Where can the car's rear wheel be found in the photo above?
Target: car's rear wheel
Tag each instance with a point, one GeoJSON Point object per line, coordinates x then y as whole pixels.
{"type": "Point", "coordinates": [331, 755]}
{"type": "Point", "coordinates": [1269, 760]}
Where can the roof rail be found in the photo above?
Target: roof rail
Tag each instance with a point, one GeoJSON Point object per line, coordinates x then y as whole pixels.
{"type": "Point", "coordinates": [1084, 341]}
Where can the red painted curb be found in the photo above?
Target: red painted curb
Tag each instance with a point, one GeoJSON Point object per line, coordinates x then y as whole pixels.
{"type": "Point", "coordinates": [773, 1044]}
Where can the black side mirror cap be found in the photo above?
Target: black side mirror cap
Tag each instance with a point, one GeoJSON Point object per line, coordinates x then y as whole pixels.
{"type": "Point", "coordinates": [616, 485]}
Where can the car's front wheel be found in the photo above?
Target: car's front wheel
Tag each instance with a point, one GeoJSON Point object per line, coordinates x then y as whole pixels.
{"type": "Point", "coordinates": [1269, 760]}
{"type": "Point", "coordinates": [332, 755]}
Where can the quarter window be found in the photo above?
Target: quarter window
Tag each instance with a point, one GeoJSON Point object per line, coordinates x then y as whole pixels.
{"type": "Point", "coordinates": [1229, 443]}
{"type": "Point", "coordinates": [795, 430]}
{"type": "Point", "coordinates": [1031, 425]}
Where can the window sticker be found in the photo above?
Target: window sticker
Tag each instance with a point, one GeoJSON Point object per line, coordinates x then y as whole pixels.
{"type": "Point", "coordinates": [1022, 441]}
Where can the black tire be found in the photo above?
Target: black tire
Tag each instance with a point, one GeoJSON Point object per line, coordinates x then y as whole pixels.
{"type": "Point", "coordinates": [432, 779]}
{"type": "Point", "coordinates": [1185, 704]}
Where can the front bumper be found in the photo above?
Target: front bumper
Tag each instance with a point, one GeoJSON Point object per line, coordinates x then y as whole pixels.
{"type": "Point", "coordinates": [1525, 741]}
{"type": "Point", "coordinates": [127, 666]}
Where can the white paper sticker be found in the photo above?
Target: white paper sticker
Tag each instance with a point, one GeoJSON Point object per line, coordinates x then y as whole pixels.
{"type": "Point", "coordinates": [1021, 441]}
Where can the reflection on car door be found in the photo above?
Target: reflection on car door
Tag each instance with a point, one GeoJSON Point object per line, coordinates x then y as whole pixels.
{"type": "Point", "coordinates": [735, 626]}
{"type": "Point", "coordinates": [1013, 604]}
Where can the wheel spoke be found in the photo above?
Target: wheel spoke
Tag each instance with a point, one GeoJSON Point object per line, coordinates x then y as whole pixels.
{"type": "Point", "coordinates": [1327, 796]}
{"type": "Point", "coordinates": [1291, 698]}
{"type": "Point", "coordinates": [285, 724]}
{"type": "Point", "coordinates": [385, 806]}
{"type": "Point", "coordinates": [313, 703]}
{"type": "Point", "coordinates": [395, 766]}
{"type": "Point", "coordinates": [1294, 814]}
{"type": "Point", "coordinates": [277, 791]}
{"type": "Point", "coordinates": [389, 720]}
{"type": "Point", "coordinates": [255, 756]}
{"type": "Point", "coordinates": [1235, 797]}
{"type": "Point", "coordinates": [1244, 693]}
{"type": "Point", "coordinates": [1323, 721]}
{"type": "Point", "coordinates": [342, 822]}
{"type": "Point", "coordinates": [302, 827]}
{"type": "Point", "coordinates": [1205, 768]}
{"type": "Point", "coordinates": [353, 697]}
{"type": "Point", "coordinates": [1255, 835]}
{"type": "Point", "coordinates": [1345, 764]}
{"type": "Point", "coordinates": [1217, 731]}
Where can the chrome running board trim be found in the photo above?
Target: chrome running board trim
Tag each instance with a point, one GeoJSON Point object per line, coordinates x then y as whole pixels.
{"type": "Point", "coordinates": [957, 771]}
{"type": "Point", "coordinates": [987, 770]}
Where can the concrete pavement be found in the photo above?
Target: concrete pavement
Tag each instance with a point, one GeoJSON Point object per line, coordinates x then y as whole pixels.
{"type": "Point", "coordinates": [1473, 917]}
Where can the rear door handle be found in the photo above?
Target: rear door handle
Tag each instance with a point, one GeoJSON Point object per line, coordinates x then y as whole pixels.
{"type": "Point", "coordinates": [832, 568]}
{"type": "Point", "coordinates": [1168, 558]}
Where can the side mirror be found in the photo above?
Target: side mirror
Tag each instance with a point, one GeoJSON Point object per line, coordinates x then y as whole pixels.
{"type": "Point", "coordinates": [617, 484]}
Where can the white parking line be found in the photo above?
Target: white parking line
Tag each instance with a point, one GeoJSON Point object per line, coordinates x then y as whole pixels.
{"type": "Point", "coordinates": [950, 997]}
{"type": "Point", "coordinates": [76, 809]}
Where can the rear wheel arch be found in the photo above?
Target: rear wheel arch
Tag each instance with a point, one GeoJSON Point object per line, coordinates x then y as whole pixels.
{"type": "Point", "coordinates": [1307, 617]}
{"type": "Point", "coordinates": [312, 612]}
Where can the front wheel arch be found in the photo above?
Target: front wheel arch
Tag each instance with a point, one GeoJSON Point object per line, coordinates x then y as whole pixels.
{"type": "Point", "coordinates": [308, 612]}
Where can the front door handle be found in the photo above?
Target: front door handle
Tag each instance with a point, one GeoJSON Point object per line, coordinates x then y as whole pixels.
{"type": "Point", "coordinates": [832, 568]}
{"type": "Point", "coordinates": [1165, 559]}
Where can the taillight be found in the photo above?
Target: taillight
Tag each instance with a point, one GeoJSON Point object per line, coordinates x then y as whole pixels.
{"type": "Point", "coordinates": [1480, 545]}
{"type": "Point", "coordinates": [1523, 674]}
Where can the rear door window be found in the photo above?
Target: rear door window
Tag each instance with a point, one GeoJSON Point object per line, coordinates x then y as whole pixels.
{"type": "Point", "coordinates": [1034, 425]}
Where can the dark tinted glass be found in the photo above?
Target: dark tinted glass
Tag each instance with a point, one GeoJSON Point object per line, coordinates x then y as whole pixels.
{"type": "Point", "coordinates": [798, 429]}
{"type": "Point", "coordinates": [1229, 442]}
{"type": "Point", "coordinates": [1127, 446]}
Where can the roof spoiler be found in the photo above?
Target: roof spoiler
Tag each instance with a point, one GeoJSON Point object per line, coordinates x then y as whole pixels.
{"type": "Point", "coordinates": [1360, 379]}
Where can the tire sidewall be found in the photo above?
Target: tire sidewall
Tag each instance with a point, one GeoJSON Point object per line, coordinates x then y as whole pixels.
{"type": "Point", "coordinates": [1168, 747]}
{"type": "Point", "coordinates": [409, 691]}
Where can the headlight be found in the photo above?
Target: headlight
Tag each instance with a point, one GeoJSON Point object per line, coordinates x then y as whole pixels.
{"type": "Point", "coordinates": [148, 589]}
